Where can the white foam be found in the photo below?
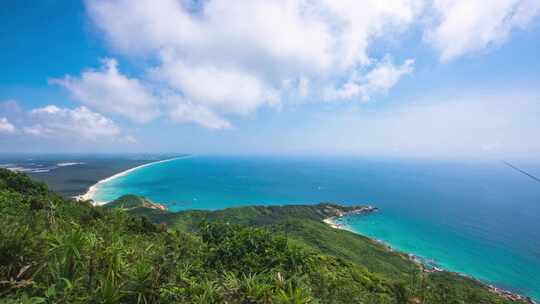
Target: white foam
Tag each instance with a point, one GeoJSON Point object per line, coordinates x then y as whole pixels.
{"type": "Point", "coordinates": [68, 164]}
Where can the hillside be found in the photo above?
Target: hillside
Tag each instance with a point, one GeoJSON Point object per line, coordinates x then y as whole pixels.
{"type": "Point", "coordinates": [54, 250]}
{"type": "Point", "coordinates": [303, 224]}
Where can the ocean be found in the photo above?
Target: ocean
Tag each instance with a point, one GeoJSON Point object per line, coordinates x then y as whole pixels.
{"type": "Point", "coordinates": [479, 218]}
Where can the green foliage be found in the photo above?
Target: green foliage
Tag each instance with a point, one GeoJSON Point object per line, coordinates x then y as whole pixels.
{"type": "Point", "coordinates": [54, 250]}
{"type": "Point", "coordinates": [19, 182]}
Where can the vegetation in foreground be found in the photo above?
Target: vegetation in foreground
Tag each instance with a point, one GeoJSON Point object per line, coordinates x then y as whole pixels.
{"type": "Point", "coordinates": [54, 250]}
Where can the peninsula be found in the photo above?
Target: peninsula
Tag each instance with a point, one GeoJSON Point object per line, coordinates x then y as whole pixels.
{"type": "Point", "coordinates": [132, 250]}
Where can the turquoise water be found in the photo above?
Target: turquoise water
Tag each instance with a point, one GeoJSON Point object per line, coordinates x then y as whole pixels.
{"type": "Point", "coordinates": [480, 219]}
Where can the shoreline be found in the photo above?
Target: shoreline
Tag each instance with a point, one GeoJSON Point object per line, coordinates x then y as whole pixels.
{"type": "Point", "coordinates": [361, 210]}
{"type": "Point", "coordinates": [89, 194]}
{"type": "Point", "coordinates": [426, 268]}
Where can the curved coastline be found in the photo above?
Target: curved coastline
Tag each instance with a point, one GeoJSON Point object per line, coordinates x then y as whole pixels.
{"type": "Point", "coordinates": [332, 221]}
{"type": "Point", "coordinates": [89, 195]}
{"type": "Point", "coordinates": [426, 267]}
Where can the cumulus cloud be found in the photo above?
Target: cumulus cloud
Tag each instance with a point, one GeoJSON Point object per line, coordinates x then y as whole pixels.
{"type": "Point", "coordinates": [378, 80]}
{"type": "Point", "coordinates": [78, 123]}
{"type": "Point", "coordinates": [109, 91]}
{"type": "Point", "coordinates": [223, 59]}
{"type": "Point", "coordinates": [225, 89]}
{"type": "Point", "coordinates": [184, 111]}
{"type": "Point", "coordinates": [301, 35]}
{"type": "Point", "coordinates": [466, 26]}
{"type": "Point", "coordinates": [232, 59]}
{"type": "Point", "coordinates": [6, 127]}
{"type": "Point", "coordinates": [298, 34]}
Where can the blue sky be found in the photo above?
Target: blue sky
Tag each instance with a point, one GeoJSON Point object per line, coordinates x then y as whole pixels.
{"type": "Point", "coordinates": [404, 78]}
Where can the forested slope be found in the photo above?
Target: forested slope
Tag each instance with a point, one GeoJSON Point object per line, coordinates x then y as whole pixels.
{"type": "Point", "coordinates": [54, 250]}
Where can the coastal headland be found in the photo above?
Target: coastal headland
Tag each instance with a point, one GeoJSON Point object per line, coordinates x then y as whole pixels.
{"type": "Point", "coordinates": [287, 251]}
{"type": "Point", "coordinates": [331, 221]}
{"type": "Point", "coordinates": [157, 212]}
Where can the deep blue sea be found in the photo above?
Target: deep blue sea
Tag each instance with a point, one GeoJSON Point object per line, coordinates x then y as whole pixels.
{"type": "Point", "coordinates": [478, 218]}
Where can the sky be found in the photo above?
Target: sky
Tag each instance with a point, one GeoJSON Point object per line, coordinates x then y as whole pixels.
{"type": "Point", "coordinates": [392, 78]}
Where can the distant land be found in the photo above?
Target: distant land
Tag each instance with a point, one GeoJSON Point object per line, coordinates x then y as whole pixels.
{"type": "Point", "coordinates": [72, 174]}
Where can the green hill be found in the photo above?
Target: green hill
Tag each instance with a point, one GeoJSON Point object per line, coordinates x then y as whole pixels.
{"type": "Point", "coordinates": [54, 250]}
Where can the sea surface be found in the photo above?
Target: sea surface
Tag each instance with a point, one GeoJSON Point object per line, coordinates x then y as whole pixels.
{"type": "Point", "coordinates": [477, 218]}
{"type": "Point", "coordinates": [72, 174]}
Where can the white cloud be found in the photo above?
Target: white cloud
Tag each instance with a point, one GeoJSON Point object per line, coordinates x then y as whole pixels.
{"type": "Point", "coordinates": [230, 58]}
{"type": "Point", "coordinates": [6, 127]}
{"type": "Point", "coordinates": [78, 123]}
{"type": "Point", "coordinates": [298, 34]}
{"type": "Point", "coordinates": [109, 91]}
{"type": "Point", "coordinates": [225, 89]}
{"type": "Point", "coordinates": [301, 36]}
{"type": "Point", "coordinates": [143, 27]}
{"type": "Point", "coordinates": [184, 111]}
{"type": "Point", "coordinates": [377, 81]}
{"type": "Point", "coordinates": [35, 130]}
{"type": "Point", "coordinates": [470, 26]}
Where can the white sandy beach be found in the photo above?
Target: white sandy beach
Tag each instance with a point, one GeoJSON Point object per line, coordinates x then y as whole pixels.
{"type": "Point", "coordinates": [329, 221]}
